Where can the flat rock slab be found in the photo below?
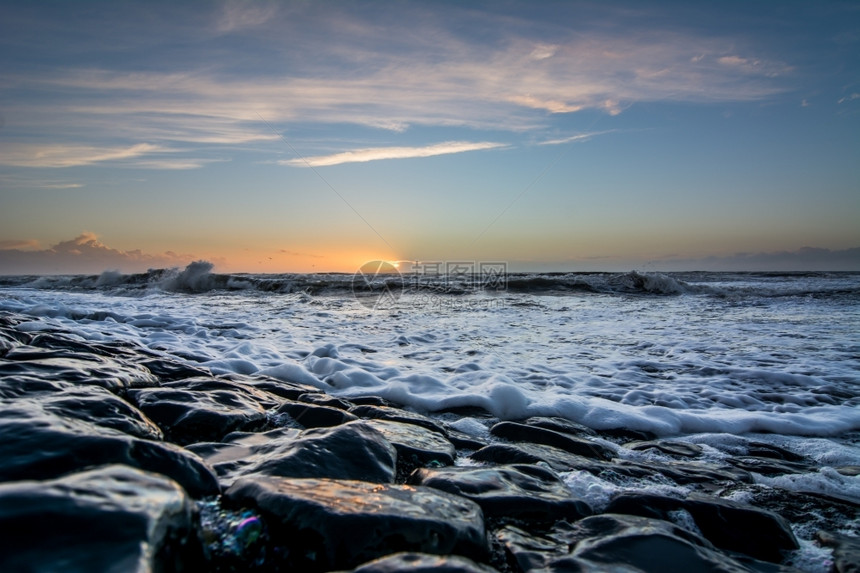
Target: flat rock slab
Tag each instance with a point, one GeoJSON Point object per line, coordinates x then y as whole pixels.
{"type": "Point", "coordinates": [90, 404]}
{"type": "Point", "coordinates": [397, 415]}
{"type": "Point", "coordinates": [201, 410]}
{"type": "Point", "coordinates": [84, 369]}
{"type": "Point", "coordinates": [620, 543]}
{"type": "Point", "coordinates": [729, 525]}
{"type": "Point", "coordinates": [328, 524]}
{"type": "Point", "coordinates": [517, 432]}
{"type": "Point", "coordinates": [312, 415]}
{"type": "Point", "coordinates": [38, 444]}
{"type": "Point", "coordinates": [672, 448]}
{"type": "Point", "coordinates": [415, 445]}
{"type": "Point", "coordinates": [113, 518]}
{"type": "Point", "coordinates": [423, 563]}
{"type": "Point", "coordinates": [354, 451]}
{"type": "Point", "coordinates": [525, 492]}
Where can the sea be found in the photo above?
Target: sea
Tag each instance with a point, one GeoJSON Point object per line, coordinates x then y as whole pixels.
{"type": "Point", "coordinates": [715, 359]}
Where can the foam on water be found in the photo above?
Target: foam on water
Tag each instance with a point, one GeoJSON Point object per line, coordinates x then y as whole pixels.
{"type": "Point", "coordinates": [673, 355]}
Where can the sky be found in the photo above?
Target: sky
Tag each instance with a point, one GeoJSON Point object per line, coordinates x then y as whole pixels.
{"type": "Point", "coordinates": [302, 136]}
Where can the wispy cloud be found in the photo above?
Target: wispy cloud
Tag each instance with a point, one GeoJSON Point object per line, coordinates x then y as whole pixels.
{"type": "Point", "coordinates": [573, 138]}
{"type": "Point", "coordinates": [355, 69]}
{"type": "Point", "coordinates": [35, 155]}
{"type": "Point", "coordinates": [19, 244]}
{"type": "Point", "coordinates": [380, 153]}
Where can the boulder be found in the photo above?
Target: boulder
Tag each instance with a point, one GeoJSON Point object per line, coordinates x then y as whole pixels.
{"type": "Point", "coordinates": [517, 432]}
{"type": "Point", "coordinates": [729, 525]}
{"type": "Point", "coordinates": [38, 444]}
{"type": "Point", "coordinates": [323, 524]}
{"type": "Point", "coordinates": [519, 491]}
{"type": "Point", "coordinates": [201, 410]}
{"type": "Point", "coordinates": [353, 451]}
{"type": "Point", "coordinates": [109, 519]}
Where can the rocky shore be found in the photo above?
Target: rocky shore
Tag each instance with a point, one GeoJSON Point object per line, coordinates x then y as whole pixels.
{"type": "Point", "coordinates": [118, 458]}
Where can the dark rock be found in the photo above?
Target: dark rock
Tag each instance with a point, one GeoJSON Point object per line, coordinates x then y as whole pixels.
{"type": "Point", "coordinates": [352, 451]}
{"type": "Point", "coordinates": [397, 415]}
{"type": "Point", "coordinates": [729, 525]}
{"type": "Point", "coordinates": [288, 390]}
{"type": "Point", "coordinates": [95, 405]}
{"type": "Point", "coordinates": [519, 491]}
{"type": "Point", "coordinates": [325, 524]}
{"type": "Point", "coordinates": [37, 444]}
{"type": "Point", "coordinates": [321, 399]}
{"type": "Point", "coordinates": [172, 370]}
{"type": "Point", "coordinates": [560, 425]}
{"type": "Point", "coordinates": [202, 410]}
{"type": "Point", "coordinates": [625, 435]}
{"type": "Point", "coordinates": [415, 444]}
{"type": "Point", "coordinates": [685, 473]}
{"type": "Point", "coordinates": [86, 369]}
{"type": "Point", "coordinates": [558, 460]}
{"type": "Point", "coordinates": [849, 471]}
{"type": "Point", "coordinates": [846, 551]}
{"type": "Point", "coordinates": [463, 441]}
{"type": "Point", "coordinates": [682, 449]}
{"type": "Point", "coordinates": [423, 563]}
{"type": "Point", "coordinates": [770, 466]}
{"type": "Point", "coordinates": [372, 401]}
{"type": "Point", "coordinates": [762, 450]}
{"type": "Point", "coordinates": [113, 518]}
{"type": "Point", "coordinates": [314, 416]}
{"type": "Point", "coordinates": [620, 543]}
{"type": "Point", "coordinates": [522, 433]}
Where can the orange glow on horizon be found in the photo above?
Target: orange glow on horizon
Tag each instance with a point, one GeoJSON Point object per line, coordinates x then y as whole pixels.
{"type": "Point", "coordinates": [286, 261]}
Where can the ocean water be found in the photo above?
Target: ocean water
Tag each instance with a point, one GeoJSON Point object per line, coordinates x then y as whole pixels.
{"type": "Point", "coordinates": [717, 359]}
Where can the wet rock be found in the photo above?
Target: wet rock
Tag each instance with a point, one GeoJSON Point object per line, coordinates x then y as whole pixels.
{"type": "Point", "coordinates": [621, 543]}
{"type": "Point", "coordinates": [762, 450]}
{"type": "Point", "coordinates": [681, 449]}
{"type": "Point", "coordinates": [321, 399]}
{"type": "Point", "coordinates": [353, 451]}
{"type": "Point", "coordinates": [324, 524]}
{"type": "Point", "coordinates": [172, 370]}
{"type": "Point", "coordinates": [846, 551]}
{"type": "Point", "coordinates": [729, 525]}
{"type": "Point", "coordinates": [770, 466]}
{"type": "Point", "coordinates": [560, 425]}
{"type": "Point", "coordinates": [559, 460]}
{"type": "Point", "coordinates": [85, 369]}
{"type": "Point", "coordinates": [315, 416]}
{"type": "Point", "coordinates": [202, 410]}
{"type": "Point", "coordinates": [94, 405]}
{"type": "Point", "coordinates": [849, 471]}
{"type": "Point", "coordinates": [397, 415]}
{"type": "Point", "coordinates": [113, 518]}
{"type": "Point", "coordinates": [522, 433]}
{"type": "Point", "coordinates": [463, 441]}
{"type": "Point", "coordinates": [519, 491]}
{"type": "Point", "coordinates": [686, 473]}
{"type": "Point", "coordinates": [415, 444]}
{"type": "Point", "coordinates": [38, 444]}
{"type": "Point", "coordinates": [423, 563]}
{"type": "Point", "coordinates": [371, 401]}
{"type": "Point", "coordinates": [284, 389]}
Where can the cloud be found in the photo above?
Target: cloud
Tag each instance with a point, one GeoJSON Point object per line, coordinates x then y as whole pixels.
{"type": "Point", "coordinates": [577, 137]}
{"type": "Point", "coordinates": [848, 98]}
{"type": "Point", "coordinates": [58, 155]}
{"type": "Point", "coordinates": [379, 153]}
{"type": "Point", "coordinates": [19, 244]}
{"type": "Point", "coordinates": [362, 67]}
{"type": "Point", "coordinates": [85, 254]}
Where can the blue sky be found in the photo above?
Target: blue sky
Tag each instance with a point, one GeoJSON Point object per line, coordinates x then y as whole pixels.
{"type": "Point", "coordinates": [299, 136]}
